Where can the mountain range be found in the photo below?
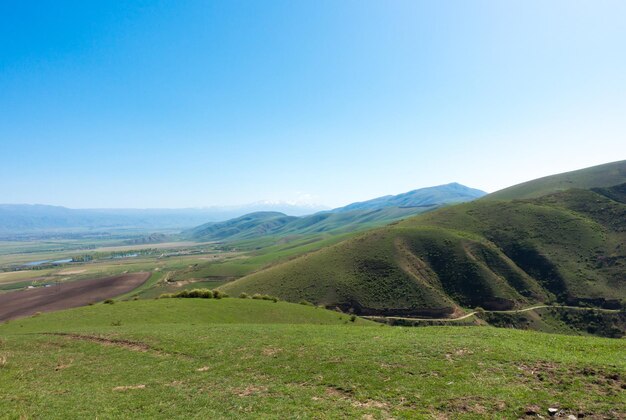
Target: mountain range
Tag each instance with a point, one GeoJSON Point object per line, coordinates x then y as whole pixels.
{"type": "Point", "coordinates": [25, 219]}
{"type": "Point", "coordinates": [375, 212]}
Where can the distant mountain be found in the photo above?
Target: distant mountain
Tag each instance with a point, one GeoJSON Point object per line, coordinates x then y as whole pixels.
{"type": "Point", "coordinates": [26, 218]}
{"type": "Point", "coordinates": [565, 247]}
{"type": "Point", "coordinates": [355, 216]}
{"type": "Point", "coordinates": [596, 176]}
{"type": "Point", "coordinates": [249, 225]}
{"type": "Point", "coordinates": [423, 197]}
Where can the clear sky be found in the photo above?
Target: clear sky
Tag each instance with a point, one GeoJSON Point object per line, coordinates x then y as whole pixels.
{"type": "Point", "coordinates": [198, 103]}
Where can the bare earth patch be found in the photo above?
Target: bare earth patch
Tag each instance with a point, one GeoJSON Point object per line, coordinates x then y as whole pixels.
{"type": "Point", "coordinates": [271, 351]}
{"type": "Point", "coordinates": [127, 344]}
{"type": "Point", "coordinates": [128, 387]}
{"type": "Point", "coordinates": [249, 390]}
{"type": "Point", "coordinates": [67, 295]}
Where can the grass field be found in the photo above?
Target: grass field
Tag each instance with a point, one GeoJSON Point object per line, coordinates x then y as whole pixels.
{"type": "Point", "coordinates": [234, 358]}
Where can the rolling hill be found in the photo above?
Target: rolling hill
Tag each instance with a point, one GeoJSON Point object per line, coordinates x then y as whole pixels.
{"type": "Point", "coordinates": [566, 247]}
{"type": "Point", "coordinates": [355, 216]}
{"type": "Point", "coordinates": [596, 176]}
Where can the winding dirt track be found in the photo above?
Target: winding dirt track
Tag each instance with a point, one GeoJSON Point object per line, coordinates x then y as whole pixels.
{"type": "Point", "coordinates": [513, 311]}
{"type": "Point", "coordinates": [66, 295]}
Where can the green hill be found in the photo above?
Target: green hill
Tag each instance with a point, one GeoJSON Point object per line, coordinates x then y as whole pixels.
{"type": "Point", "coordinates": [243, 358]}
{"type": "Point", "coordinates": [566, 247]}
{"type": "Point", "coordinates": [356, 216]}
{"type": "Point", "coordinates": [596, 176]}
{"type": "Point", "coordinates": [424, 197]}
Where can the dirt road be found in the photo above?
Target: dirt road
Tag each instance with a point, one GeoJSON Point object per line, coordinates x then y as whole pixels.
{"type": "Point", "coordinates": [513, 311]}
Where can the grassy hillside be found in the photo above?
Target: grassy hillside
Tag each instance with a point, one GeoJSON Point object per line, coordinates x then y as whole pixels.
{"type": "Point", "coordinates": [565, 247]}
{"type": "Point", "coordinates": [423, 197]}
{"type": "Point", "coordinates": [235, 358]}
{"type": "Point", "coordinates": [596, 176]}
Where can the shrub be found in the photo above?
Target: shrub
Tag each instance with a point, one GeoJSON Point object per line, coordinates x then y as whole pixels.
{"type": "Point", "coordinates": [265, 297]}
{"type": "Point", "coordinates": [352, 318]}
{"type": "Point", "coordinates": [244, 295]}
{"type": "Point", "coordinates": [201, 293]}
{"type": "Point", "coordinates": [306, 302]}
{"type": "Point", "coordinates": [218, 294]}
{"type": "Point", "coordinates": [166, 296]}
{"type": "Point", "coordinates": [109, 302]}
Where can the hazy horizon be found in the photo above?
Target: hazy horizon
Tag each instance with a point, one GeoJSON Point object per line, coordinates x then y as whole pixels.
{"type": "Point", "coordinates": [260, 204]}
{"type": "Point", "coordinates": [170, 105]}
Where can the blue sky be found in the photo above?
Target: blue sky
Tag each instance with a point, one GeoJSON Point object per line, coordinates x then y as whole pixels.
{"type": "Point", "coordinates": [198, 103]}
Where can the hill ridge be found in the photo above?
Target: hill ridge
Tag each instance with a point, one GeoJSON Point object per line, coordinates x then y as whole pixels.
{"type": "Point", "coordinates": [563, 247]}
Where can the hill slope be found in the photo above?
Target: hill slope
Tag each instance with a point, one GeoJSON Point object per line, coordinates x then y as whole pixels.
{"type": "Point", "coordinates": [596, 176]}
{"type": "Point", "coordinates": [423, 197]}
{"type": "Point", "coordinates": [355, 216]}
{"type": "Point", "coordinates": [566, 247]}
{"type": "Point", "coordinates": [236, 358]}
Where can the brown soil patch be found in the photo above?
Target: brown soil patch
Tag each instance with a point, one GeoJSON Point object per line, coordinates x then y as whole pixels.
{"type": "Point", "coordinates": [250, 390]}
{"type": "Point", "coordinates": [66, 295]}
{"type": "Point", "coordinates": [127, 344]}
{"type": "Point", "coordinates": [128, 387]}
{"type": "Point", "coordinates": [474, 405]}
{"type": "Point", "coordinates": [62, 366]}
{"type": "Point", "coordinates": [346, 395]}
{"type": "Point", "coordinates": [271, 351]}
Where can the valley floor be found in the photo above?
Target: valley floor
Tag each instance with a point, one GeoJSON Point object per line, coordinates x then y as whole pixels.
{"type": "Point", "coordinates": [235, 358]}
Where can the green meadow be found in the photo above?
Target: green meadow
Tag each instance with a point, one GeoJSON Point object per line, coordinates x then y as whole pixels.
{"type": "Point", "coordinates": [244, 358]}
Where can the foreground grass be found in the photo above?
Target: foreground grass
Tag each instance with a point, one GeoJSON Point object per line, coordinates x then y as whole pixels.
{"type": "Point", "coordinates": [238, 358]}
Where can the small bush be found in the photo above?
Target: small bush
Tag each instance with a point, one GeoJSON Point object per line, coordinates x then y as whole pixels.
{"type": "Point", "coordinates": [166, 296]}
{"type": "Point", "coordinates": [201, 293]}
{"type": "Point", "coordinates": [305, 302]}
{"type": "Point", "coordinates": [352, 318]}
{"type": "Point", "coordinates": [265, 297]}
{"type": "Point", "coordinates": [109, 302]}
{"type": "Point", "coordinates": [218, 294]}
{"type": "Point", "coordinates": [244, 295]}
